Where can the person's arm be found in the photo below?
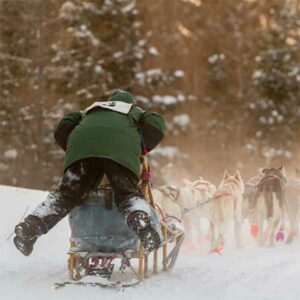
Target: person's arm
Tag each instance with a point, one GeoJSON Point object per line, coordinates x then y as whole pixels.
{"type": "Point", "coordinates": [153, 129]}
{"type": "Point", "coordinates": [64, 128]}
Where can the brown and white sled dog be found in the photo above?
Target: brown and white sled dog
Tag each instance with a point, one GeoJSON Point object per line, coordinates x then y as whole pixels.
{"type": "Point", "coordinates": [165, 199]}
{"type": "Point", "coordinates": [227, 206]}
{"type": "Point", "coordinates": [293, 201]}
{"type": "Point", "coordinates": [194, 211]}
{"type": "Point", "coordinates": [269, 203]}
{"type": "Point", "coordinates": [188, 203]}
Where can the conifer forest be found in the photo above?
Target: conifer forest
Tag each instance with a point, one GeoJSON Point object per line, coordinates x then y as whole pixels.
{"type": "Point", "coordinates": [225, 74]}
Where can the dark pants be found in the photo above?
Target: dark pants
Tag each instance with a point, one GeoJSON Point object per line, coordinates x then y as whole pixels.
{"type": "Point", "coordinates": [78, 181]}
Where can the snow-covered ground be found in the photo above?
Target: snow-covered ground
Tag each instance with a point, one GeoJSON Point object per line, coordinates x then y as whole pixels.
{"type": "Point", "coordinates": [250, 273]}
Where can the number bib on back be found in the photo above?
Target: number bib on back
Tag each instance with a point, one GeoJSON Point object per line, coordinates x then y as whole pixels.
{"type": "Point", "coordinates": [118, 106]}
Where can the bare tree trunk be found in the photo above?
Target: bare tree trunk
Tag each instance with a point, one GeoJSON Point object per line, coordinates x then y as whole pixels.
{"type": "Point", "coordinates": [40, 91]}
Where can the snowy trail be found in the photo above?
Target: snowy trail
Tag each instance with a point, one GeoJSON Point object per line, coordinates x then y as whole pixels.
{"type": "Point", "coordinates": [250, 273]}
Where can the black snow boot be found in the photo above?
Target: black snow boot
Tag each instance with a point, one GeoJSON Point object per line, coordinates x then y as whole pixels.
{"type": "Point", "coordinates": [140, 222]}
{"type": "Point", "coordinates": [27, 233]}
{"type": "Point", "coordinates": [143, 220]}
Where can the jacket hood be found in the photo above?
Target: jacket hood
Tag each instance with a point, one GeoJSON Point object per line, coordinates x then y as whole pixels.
{"type": "Point", "coordinates": [122, 96]}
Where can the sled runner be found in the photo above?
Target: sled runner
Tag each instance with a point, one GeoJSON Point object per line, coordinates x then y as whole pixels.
{"type": "Point", "coordinates": [100, 236]}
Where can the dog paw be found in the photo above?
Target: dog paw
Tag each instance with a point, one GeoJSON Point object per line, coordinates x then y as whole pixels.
{"type": "Point", "coordinates": [280, 236]}
{"type": "Point", "coordinates": [254, 230]}
{"type": "Point", "coordinates": [216, 250]}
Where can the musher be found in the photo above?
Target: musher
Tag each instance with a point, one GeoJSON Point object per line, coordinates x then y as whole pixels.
{"type": "Point", "coordinates": [107, 138]}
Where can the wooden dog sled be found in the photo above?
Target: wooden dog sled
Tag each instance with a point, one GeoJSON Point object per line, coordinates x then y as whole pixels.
{"type": "Point", "coordinates": [100, 235]}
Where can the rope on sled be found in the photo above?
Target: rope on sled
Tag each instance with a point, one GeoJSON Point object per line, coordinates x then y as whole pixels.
{"type": "Point", "coordinates": [168, 217]}
{"type": "Point", "coordinates": [172, 257]}
{"type": "Point", "coordinates": [187, 210]}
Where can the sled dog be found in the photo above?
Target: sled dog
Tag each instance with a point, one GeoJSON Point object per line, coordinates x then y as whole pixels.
{"type": "Point", "coordinates": [189, 203]}
{"type": "Point", "coordinates": [293, 202]}
{"type": "Point", "coordinates": [292, 196]}
{"type": "Point", "coordinates": [227, 206]}
{"type": "Point", "coordinates": [269, 203]}
{"type": "Point", "coordinates": [194, 212]}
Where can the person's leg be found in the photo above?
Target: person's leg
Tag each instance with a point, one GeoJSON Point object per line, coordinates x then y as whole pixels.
{"type": "Point", "coordinates": [135, 208]}
{"type": "Point", "coordinates": [77, 181]}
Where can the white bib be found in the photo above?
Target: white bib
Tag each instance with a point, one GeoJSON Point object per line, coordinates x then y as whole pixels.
{"type": "Point", "coordinates": [118, 106]}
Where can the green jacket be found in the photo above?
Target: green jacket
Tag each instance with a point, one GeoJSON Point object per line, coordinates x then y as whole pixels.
{"type": "Point", "coordinates": [110, 134]}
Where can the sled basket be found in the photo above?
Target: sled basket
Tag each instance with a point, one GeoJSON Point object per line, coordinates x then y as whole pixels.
{"type": "Point", "coordinates": [95, 228]}
{"type": "Point", "coordinates": [99, 234]}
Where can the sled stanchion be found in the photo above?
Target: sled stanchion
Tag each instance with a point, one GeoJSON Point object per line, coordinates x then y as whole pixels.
{"type": "Point", "coordinates": [146, 267]}
{"type": "Point", "coordinates": [155, 262]}
{"type": "Point", "coordinates": [151, 197]}
{"type": "Point", "coordinates": [71, 266]}
{"type": "Point", "coordinates": [147, 189]}
{"type": "Point", "coordinates": [165, 248]}
{"type": "Point", "coordinates": [71, 261]}
{"type": "Point", "coordinates": [141, 261]}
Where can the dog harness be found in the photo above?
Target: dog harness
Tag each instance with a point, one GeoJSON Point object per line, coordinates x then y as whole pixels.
{"type": "Point", "coordinates": [174, 195]}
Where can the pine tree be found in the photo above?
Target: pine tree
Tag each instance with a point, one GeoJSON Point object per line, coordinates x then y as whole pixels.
{"type": "Point", "coordinates": [16, 112]}
{"type": "Point", "coordinates": [275, 113]}
{"type": "Point", "coordinates": [102, 47]}
{"type": "Point", "coordinates": [60, 56]}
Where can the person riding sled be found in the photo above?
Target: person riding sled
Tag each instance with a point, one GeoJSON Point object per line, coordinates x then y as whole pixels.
{"type": "Point", "coordinates": [107, 138]}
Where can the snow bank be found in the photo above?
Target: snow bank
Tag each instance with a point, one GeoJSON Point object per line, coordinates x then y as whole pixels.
{"type": "Point", "coordinates": [250, 273]}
